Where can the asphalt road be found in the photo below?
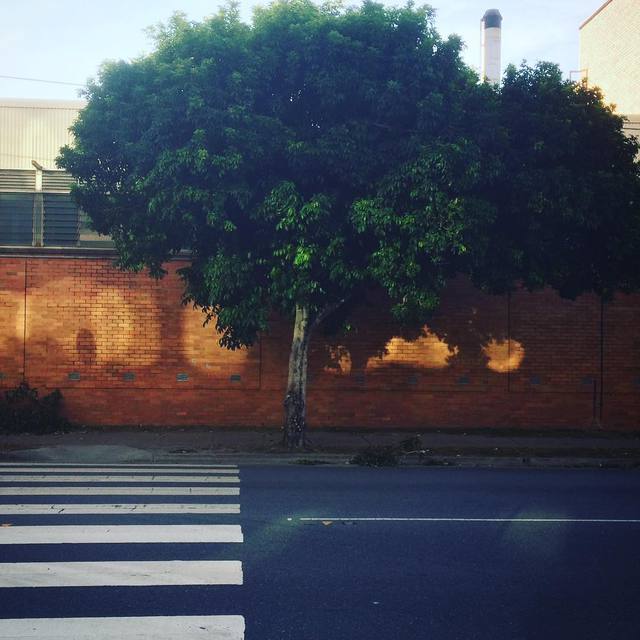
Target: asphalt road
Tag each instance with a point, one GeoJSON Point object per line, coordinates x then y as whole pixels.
{"type": "Point", "coordinates": [459, 553]}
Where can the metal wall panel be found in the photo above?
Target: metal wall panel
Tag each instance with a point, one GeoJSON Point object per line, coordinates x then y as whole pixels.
{"type": "Point", "coordinates": [56, 181]}
{"type": "Point", "coordinates": [61, 221]}
{"type": "Point", "coordinates": [87, 237]}
{"type": "Point", "coordinates": [17, 180]}
{"type": "Point", "coordinates": [16, 219]}
{"type": "Point", "coordinates": [34, 130]}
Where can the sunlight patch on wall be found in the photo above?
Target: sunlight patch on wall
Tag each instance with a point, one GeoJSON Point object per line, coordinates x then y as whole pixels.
{"type": "Point", "coordinates": [123, 330]}
{"type": "Point", "coordinates": [428, 351]}
{"type": "Point", "coordinates": [201, 348]}
{"type": "Point", "coordinates": [503, 355]}
{"type": "Point", "coordinates": [17, 302]}
{"type": "Point", "coordinates": [47, 304]}
{"type": "Point", "coordinates": [11, 316]}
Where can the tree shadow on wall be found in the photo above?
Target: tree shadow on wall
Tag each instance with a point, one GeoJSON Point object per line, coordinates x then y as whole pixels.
{"type": "Point", "coordinates": [456, 335]}
{"type": "Point", "coordinates": [11, 362]}
{"type": "Point", "coordinates": [86, 348]}
{"type": "Point", "coordinates": [467, 332]}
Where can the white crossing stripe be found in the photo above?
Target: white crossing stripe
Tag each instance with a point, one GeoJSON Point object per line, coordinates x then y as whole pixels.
{"type": "Point", "coordinates": [89, 470]}
{"type": "Point", "coordinates": [119, 491]}
{"type": "Point", "coordinates": [123, 508]}
{"type": "Point", "coordinates": [122, 534]}
{"type": "Point", "coordinates": [51, 477]}
{"type": "Point", "coordinates": [58, 482]}
{"type": "Point", "coordinates": [126, 465]}
{"type": "Point", "coordinates": [116, 574]}
{"type": "Point", "coordinates": [147, 628]}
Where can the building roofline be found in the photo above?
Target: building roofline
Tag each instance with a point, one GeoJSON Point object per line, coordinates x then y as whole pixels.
{"type": "Point", "coordinates": [596, 12]}
{"type": "Point", "coordinates": [34, 103]}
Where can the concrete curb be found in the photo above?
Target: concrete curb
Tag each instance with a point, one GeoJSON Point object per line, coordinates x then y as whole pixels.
{"type": "Point", "coordinates": [435, 448]}
{"type": "Point", "coordinates": [112, 454]}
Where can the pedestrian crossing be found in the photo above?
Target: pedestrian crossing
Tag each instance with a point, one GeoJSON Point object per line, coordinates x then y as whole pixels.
{"type": "Point", "coordinates": [120, 534]}
{"type": "Point", "coordinates": [134, 479]}
{"type": "Point", "coordinates": [113, 574]}
{"type": "Point", "coordinates": [126, 508]}
{"type": "Point", "coordinates": [120, 491]}
{"type": "Point", "coordinates": [117, 539]}
{"type": "Point", "coordinates": [151, 627]}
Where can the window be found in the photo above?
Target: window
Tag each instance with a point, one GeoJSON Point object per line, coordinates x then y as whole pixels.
{"type": "Point", "coordinates": [16, 219]}
{"type": "Point", "coordinates": [36, 209]}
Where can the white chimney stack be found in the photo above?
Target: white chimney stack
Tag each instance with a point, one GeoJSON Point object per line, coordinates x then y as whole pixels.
{"type": "Point", "coordinates": [491, 24]}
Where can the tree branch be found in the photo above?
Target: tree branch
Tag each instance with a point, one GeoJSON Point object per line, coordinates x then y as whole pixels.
{"type": "Point", "coordinates": [327, 311]}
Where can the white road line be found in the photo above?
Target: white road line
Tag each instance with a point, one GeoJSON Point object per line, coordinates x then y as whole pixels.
{"type": "Point", "coordinates": [147, 628]}
{"type": "Point", "coordinates": [52, 477]}
{"type": "Point", "coordinates": [11, 465]}
{"type": "Point", "coordinates": [114, 470]}
{"type": "Point", "coordinates": [119, 491]}
{"type": "Point", "coordinates": [124, 508]}
{"type": "Point", "coordinates": [119, 574]}
{"type": "Point", "coordinates": [523, 520]}
{"type": "Point", "coordinates": [120, 534]}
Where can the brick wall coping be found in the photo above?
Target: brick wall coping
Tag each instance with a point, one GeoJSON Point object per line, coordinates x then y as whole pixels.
{"type": "Point", "coordinates": [67, 252]}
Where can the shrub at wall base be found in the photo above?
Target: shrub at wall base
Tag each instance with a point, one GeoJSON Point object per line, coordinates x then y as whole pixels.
{"type": "Point", "coordinates": [23, 411]}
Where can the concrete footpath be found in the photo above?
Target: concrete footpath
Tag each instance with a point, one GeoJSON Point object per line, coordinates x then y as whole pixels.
{"type": "Point", "coordinates": [197, 445]}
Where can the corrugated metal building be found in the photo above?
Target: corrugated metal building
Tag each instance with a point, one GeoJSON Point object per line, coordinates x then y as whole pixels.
{"type": "Point", "coordinates": [35, 206]}
{"type": "Point", "coordinates": [34, 130]}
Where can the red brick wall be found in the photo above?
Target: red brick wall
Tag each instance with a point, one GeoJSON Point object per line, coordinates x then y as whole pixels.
{"type": "Point", "coordinates": [123, 350]}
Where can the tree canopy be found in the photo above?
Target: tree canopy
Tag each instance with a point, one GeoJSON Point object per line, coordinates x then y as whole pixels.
{"type": "Point", "coordinates": [322, 151]}
{"type": "Point", "coordinates": [567, 196]}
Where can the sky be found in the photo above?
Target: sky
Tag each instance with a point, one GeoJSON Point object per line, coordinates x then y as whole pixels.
{"type": "Point", "coordinates": [65, 41]}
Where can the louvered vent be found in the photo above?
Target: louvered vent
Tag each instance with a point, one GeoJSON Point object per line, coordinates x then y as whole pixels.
{"type": "Point", "coordinates": [60, 221]}
{"type": "Point", "coordinates": [17, 180]}
{"type": "Point", "coordinates": [16, 219]}
{"type": "Point", "coordinates": [56, 181]}
{"type": "Point", "coordinates": [90, 238]}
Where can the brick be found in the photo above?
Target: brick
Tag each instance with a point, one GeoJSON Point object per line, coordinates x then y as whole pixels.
{"type": "Point", "coordinates": [473, 365]}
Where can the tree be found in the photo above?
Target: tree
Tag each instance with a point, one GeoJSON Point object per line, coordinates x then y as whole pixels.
{"type": "Point", "coordinates": [321, 152]}
{"type": "Point", "coordinates": [567, 195]}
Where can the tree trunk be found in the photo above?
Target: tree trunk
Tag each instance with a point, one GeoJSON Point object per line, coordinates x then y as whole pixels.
{"type": "Point", "coordinates": [295, 401]}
